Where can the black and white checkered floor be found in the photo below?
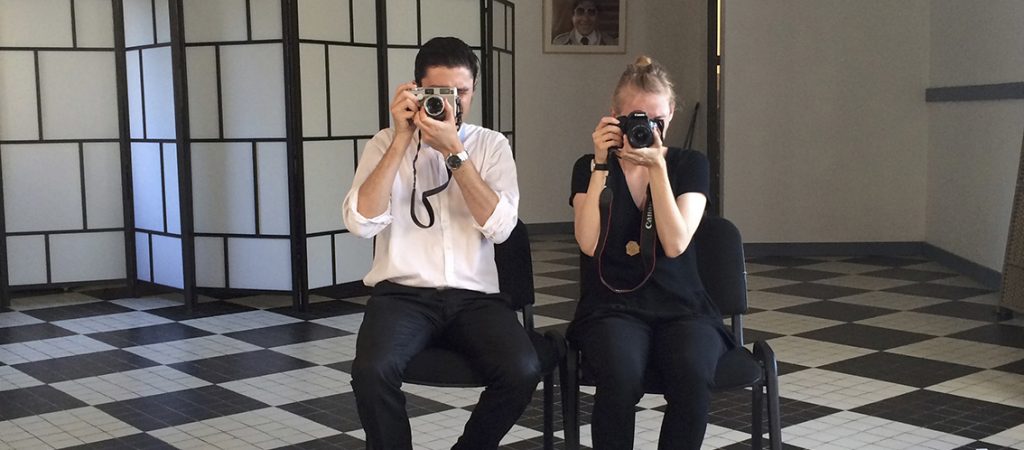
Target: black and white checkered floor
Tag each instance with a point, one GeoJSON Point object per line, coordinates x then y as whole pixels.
{"type": "Point", "coordinates": [875, 352]}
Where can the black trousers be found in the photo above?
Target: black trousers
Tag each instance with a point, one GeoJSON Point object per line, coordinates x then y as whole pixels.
{"type": "Point", "coordinates": [617, 350]}
{"type": "Point", "coordinates": [401, 321]}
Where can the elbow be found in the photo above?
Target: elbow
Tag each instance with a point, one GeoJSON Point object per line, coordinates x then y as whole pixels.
{"type": "Point", "coordinates": [676, 249]}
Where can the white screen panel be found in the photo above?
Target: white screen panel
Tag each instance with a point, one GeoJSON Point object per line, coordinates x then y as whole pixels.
{"type": "Point", "coordinates": [159, 86]}
{"type": "Point", "coordinates": [402, 26]}
{"type": "Point", "coordinates": [324, 20]}
{"type": "Point", "coordinates": [318, 261]}
{"type": "Point", "coordinates": [138, 22]}
{"type": "Point", "coordinates": [42, 189]}
{"type": "Point", "coordinates": [204, 117]}
{"type": "Point", "coordinates": [266, 19]}
{"type": "Point", "coordinates": [103, 203]}
{"type": "Point", "coordinates": [18, 110]}
{"type": "Point", "coordinates": [272, 169]}
{"type": "Point", "coordinates": [364, 13]}
{"type": "Point", "coordinates": [260, 263]}
{"type": "Point", "coordinates": [37, 23]}
{"type": "Point", "coordinates": [313, 69]}
{"type": "Point", "coordinates": [354, 255]}
{"type": "Point", "coordinates": [79, 95]}
{"type": "Point", "coordinates": [147, 192]}
{"type": "Point", "coordinates": [507, 92]}
{"type": "Point", "coordinates": [401, 68]}
{"type": "Point", "coordinates": [458, 18]}
{"type": "Point", "coordinates": [210, 262]}
{"type": "Point", "coordinates": [252, 79]}
{"type": "Point", "coordinates": [360, 146]}
{"type": "Point", "coordinates": [163, 22]}
{"type": "Point", "coordinates": [167, 268]}
{"type": "Point", "coordinates": [173, 206]}
{"type": "Point", "coordinates": [94, 23]}
{"type": "Point", "coordinates": [328, 174]}
{"type": "Point", "coordinates": [498, 38]}
{"type": "Point", "coordinates": [222, 188]}
{"type": "Point", "coordinates": [142, 257]}
{"type": "Point", "coordinates": [353, 91]}
{"type": "Point", "coordinates": [86, 257]}
{"type": "Point", "coordinates": [221, 20]}
{"type": "Point", "coordinates": [134, 78]}
{"type": "Point", "coordinates": [26, 260]}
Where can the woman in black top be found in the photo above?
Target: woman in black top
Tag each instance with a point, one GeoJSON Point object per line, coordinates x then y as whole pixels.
{"type": "Point", "coordinates": [642, 302]}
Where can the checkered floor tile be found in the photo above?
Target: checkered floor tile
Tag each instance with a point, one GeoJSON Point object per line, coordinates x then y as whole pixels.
{"type": "Point", "coordinates": [874, 352]}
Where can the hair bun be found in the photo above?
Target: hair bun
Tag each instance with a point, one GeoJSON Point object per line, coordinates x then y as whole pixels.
{"type": "Point", "coordinates": [642, 61]}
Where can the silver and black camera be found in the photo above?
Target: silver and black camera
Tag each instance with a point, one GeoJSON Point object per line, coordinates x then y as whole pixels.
{"type": "Point", "coordinates": [432, 100]}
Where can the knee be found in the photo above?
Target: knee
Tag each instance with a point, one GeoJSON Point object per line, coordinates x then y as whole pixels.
{"type": "Point", "coordinates": [620, 393]}
{"type": "Point", "coordinates": [521, 372]}
{"type": "Point", "coordinates": [371, 374]}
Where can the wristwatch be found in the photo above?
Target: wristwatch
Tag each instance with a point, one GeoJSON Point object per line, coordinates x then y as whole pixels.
{"type": "Point", "coordinates": [455, 160]}
{"type": "Point", "coordinates": [596, 166]}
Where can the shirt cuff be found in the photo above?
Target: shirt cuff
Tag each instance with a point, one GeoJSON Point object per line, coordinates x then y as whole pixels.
{"type": "Point", "coordinates": [362, 226]}
{"type": "Point", "coordinates": [501, 223]}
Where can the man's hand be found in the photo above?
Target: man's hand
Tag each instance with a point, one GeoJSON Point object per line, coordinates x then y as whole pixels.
{"type": "Point", "coordinates": [442, 135]}
{"type": "Point", "coordinates": [403, 108]}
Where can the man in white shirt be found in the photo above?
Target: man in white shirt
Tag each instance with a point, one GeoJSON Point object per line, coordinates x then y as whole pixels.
{"type": "Point", "coordinates": [584, 27]}
{"type": "Point", "coordinates": [437, 195]}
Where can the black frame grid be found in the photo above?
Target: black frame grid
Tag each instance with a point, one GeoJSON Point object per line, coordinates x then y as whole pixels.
{"type": "Point", "coordinates": [6, 289]}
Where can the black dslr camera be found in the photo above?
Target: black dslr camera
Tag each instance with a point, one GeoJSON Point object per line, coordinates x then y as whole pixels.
{"type": "Point", "coordinates": [639, 128]}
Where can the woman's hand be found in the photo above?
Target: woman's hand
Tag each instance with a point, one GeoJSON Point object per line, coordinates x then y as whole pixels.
{"type": "Point", "coordinates": [403, 108]}
{"type": "Point", "coordinates": [606, 135]}
{"type": "Point", "coordinates": [653, 156]}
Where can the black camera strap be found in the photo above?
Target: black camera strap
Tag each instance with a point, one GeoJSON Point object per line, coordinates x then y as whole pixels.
{"type": "Point", "coordinates": [648, 234]}
{"type": "Point", "coordinates": [427, 194]}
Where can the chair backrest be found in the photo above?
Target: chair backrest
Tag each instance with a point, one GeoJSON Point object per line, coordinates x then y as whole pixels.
{"type": "Point", "coordinates": [515, 267]}
{"type": "Point", "coordinates": [721, 265]}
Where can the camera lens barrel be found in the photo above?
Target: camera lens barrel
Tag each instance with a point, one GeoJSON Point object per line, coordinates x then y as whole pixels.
{"type": "Point", "coordinates": [638, 128]}
{"type": "Point", "coordinates": [434, 106]}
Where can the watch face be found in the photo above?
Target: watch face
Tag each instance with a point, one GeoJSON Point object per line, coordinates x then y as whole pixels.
{"type": "Point", "coordinates": [453, 161]}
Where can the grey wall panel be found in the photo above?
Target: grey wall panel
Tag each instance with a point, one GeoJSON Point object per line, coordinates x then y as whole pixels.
{"type": "Point", "coordinates": [329, 169]}
{"type": "Point", "coordinates": [210, 262]}
{"type": "Point", "coordinates": [167, 261]}
{"type": "Point", "coordinates": [313, 69]}
{"type": "Point", "coordinates": [159, 93]}
{"type": "Point", "coordinates": [354, 91]}
{"type": "Point", "coordinates": [102, 169]}
{"type": "Point", "coordinates": [37, 23]}
{"type": "Point", "coordinates": [78, 95]}
{"type": "Point", "coordinates": [402, 27]}
{"type": "Point", "coordinates": [325, 20]}
{"type": "Point", "coordinates": [259, 263]}
{"type": "Point", "coordinates": [26, 260]}
{"type": "Point", "coordinates": [272, 183]}
{"type": "Point", "coordinates": [94, 23]}
{"type": "Point", "coordinates": [142, 257]}
{"type": "Point", "coordinates": [18, 110]}
{"type": "Point", "coordinates": [203, 107]}
{"type": "Point", "coordinates": [266, 19]}
{"type": "Point", "coordinates": [33, 202]}
{"type": "Point", "coordinates": [172, 203]}
{"type": "Point", "coordinates": [221, 20]}
{"type": "Point", "coordinates": [222, 188]}
{"type": "Point", "coordinates": [87, 257]}
{"type": "Point", "coordinates": [163, 22]}
{"type": "Point", "coordinates": [133, 74]}
{"type": "Point", "coordinates": [253, 91]}
{"type": "Point", "coordinates": [507, 92]}
{"type": "Point", "coordinates": [147, 191]}
{"type": "Point", "coordinates": [138, 22]}
{"type": "Point", "coordinates": [318, 258]}
{"type": "Point", "coordinates": [459, 18]}
{"type": "Point", "coordinates": [354, 255]}
{"type": "Point", "coordinates": [364, 21]}
{"type": "Point", "coordinates": [498, 32]}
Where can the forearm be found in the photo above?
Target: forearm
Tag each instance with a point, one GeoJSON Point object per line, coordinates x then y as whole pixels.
{"type": "Point", "coordinates": [587, 213]}
{"type": "Point", "coordinates": [375, 193]}
{"type": "Point", "coordinates": [674, 231]}
{"type": "Point", "coordinates": [480, 199]}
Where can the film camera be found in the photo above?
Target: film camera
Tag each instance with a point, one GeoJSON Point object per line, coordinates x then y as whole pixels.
{"type": "Point", "coordinates": [639, 129]}
{"type": "Point", "coordinates": [432, 100]}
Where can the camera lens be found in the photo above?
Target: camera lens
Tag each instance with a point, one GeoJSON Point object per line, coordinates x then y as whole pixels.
{"type": "Point", "coordinates": [640, 136]}
{"type": "Point", "coordinates": [434, 106]}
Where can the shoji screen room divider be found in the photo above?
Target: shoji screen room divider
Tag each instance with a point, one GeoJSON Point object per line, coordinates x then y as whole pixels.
{"type": "Point", "coordinates": [206, 145]}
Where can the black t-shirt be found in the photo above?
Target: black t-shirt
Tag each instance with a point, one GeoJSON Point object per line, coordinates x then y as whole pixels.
{"type": "Point", "coordinates": [674, 289]}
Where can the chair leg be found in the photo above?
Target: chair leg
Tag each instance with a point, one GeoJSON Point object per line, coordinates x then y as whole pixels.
{"type": "Point", "coordinates": [756, 408]}
{"type": "Point", "coordinates": [766, 355]}
{"type": "Point", "coordinates": [549, 406]}
{"type": "Point", "coordinates": [570, 401]}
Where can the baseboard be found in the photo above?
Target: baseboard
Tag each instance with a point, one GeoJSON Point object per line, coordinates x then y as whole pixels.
{"type": "Point", "coordinates": [550, 228]}
{"type": "Point", "coordinates": [985, 276]}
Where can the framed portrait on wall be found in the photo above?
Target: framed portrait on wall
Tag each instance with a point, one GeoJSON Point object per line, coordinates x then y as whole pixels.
{"type": "Point", "coordinates": [584, 26]}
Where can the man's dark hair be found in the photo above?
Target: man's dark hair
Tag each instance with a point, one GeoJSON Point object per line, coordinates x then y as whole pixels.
{"type": "Point", "coordinates": [445, 52]}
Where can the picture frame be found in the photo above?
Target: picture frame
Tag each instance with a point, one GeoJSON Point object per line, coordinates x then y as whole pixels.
{"type": "Point", "coordinates": [584, 26]}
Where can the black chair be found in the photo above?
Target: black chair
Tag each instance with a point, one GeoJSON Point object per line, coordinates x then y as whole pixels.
{"type": "Point", "coordinates": [720, 263]}
{"type": "Point", "coordinates": [442, 367]}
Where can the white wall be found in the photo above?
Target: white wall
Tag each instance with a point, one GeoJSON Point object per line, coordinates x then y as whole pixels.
{"type": "Point", "coordinates": [825, 126]}
{"type": "Point", "coordinates": [974, 146]}
{"type": "Point", "coordinates": [560, 97]}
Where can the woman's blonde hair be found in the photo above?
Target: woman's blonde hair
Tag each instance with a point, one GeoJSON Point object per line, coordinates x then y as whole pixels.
{"type": "Point", "coordinates": [645, 75]}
